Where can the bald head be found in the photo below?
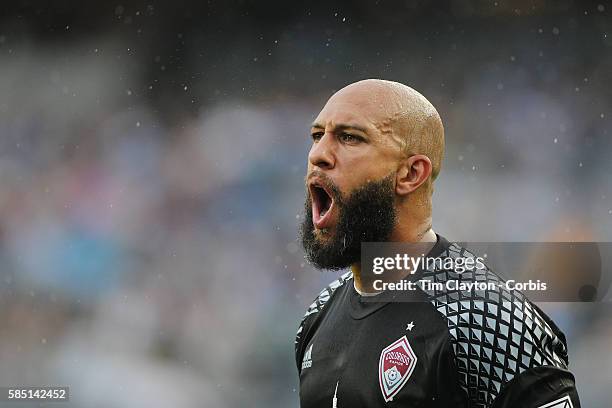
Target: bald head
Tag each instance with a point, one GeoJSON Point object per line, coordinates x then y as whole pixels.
{"type": "Point", "coordinates": [376, 148]}
{"type": "Point", "coordinates": [399, 112]}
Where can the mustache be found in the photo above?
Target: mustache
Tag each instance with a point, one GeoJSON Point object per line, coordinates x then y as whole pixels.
{"type": "Point", "coordinates": [326, 181]}
{"type": "Point", "coordinates": [367, 214]}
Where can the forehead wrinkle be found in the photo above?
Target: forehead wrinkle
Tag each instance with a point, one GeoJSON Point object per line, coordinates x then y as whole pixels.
{"type": "Point", "coordinates": [399, 115]}
{"type": "Point", "coordinates": [402, 116]}
{"type": "Point", "coordinates": [387, 128]}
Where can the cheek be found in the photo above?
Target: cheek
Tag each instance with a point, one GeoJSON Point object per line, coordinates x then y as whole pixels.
{"type": "Point", "coordinates": [349, 182]}
{"type": "Point", "coordinates": [372, 168]}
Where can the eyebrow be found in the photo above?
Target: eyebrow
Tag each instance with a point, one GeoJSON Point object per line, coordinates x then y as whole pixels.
{"type": "Point", "coordinates": [341, 126]}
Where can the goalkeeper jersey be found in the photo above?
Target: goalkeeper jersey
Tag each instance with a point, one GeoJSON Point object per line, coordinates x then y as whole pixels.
{"type": "Point", "coordinates": [443, 349]}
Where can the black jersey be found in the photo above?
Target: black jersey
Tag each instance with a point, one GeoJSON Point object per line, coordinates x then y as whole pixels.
{"type": "Point", "coordinates": [448, 349]}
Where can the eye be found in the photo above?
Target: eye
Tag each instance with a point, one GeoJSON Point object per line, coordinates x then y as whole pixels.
{"type": "Point", "coordinates": [316, 136]}
{"type": "Point", "coordinates": [348, 138]}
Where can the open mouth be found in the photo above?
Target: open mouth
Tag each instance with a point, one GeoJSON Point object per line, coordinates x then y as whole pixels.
{"type": "Point", "coordinates": [322, 205]}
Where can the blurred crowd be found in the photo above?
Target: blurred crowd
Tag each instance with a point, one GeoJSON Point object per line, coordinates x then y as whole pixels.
{"type": "Point", "coordinates": [148, 261]}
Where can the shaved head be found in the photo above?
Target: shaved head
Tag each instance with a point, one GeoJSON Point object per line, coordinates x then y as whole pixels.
{"type": "Point", "coordinates": [377, 147]}
{"type": "Point", "coordinates": [400, 112]}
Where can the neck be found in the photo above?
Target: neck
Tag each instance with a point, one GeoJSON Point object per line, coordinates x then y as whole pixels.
{"type": "Point", "coordinates": [427, 237]}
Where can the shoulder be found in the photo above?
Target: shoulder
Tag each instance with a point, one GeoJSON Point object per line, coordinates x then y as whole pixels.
{"type": "Point", "coordinates": [496, 334]}
{"type": "Point", "coordinates": [319, 303]}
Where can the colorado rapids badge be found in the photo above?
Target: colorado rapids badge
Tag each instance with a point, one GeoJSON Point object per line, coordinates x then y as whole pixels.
{"type": "Point", "coordinates": [396, 364]}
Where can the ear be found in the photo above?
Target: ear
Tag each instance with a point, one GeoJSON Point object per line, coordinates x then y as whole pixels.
{"type": "Point", "coordinates": [412, 173]}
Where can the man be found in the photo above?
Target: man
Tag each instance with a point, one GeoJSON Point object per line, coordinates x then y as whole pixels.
{"type": "Point", "coordinates": [377, 150]}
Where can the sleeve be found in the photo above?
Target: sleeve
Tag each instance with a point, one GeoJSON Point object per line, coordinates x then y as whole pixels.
{"type": "Point", "coordinates": [508, 352]}
{"type": "Point", "coordinates": [299, 341]}
{"type": "Point", "coordinates": [312, 316]}
{"type": "Point", "coordinates": [539, 387]}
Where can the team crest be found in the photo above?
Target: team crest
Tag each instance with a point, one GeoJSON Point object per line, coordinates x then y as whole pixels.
{"type": "Point", "coordinates": [396, 364]}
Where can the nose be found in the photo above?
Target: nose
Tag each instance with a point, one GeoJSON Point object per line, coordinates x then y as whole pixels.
{"type": "Point", "coordinates": [321, 153]}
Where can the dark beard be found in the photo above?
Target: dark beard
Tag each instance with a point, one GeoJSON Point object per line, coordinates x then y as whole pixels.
{"type": "Point", "coordinates": [367, 215]}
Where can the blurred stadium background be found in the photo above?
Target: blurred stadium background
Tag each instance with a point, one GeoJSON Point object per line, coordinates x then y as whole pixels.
{"type": "Point", "coordinates": [152, 158]}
